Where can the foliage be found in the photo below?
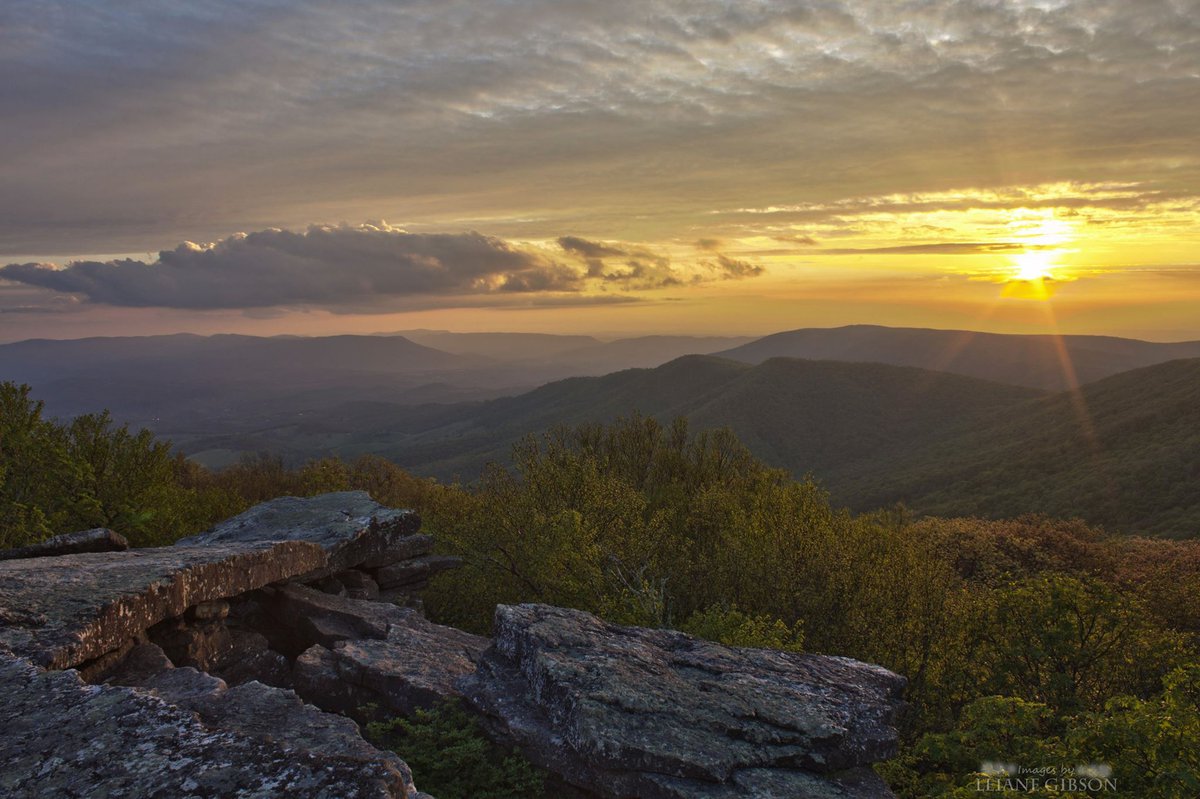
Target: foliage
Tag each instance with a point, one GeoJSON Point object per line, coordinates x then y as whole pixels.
{"type": "Point", "coordinates": [1073, 643]}
{"type": "Point", "coordinates": [1153, 744]}
{"type": "Point", "coordinates": [89, 473]}
{"type": "Point", "coordinates": [451, 758]}
{"type": "Point", "coordinates": [1029, 638]}
{"type": "Point", "coordinates": [727, 625]}
{"type": "Point", "coordinates": [1148, 748]}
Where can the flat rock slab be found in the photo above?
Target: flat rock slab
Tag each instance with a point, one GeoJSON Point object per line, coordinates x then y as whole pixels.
{"type": "Point", "coordinates": [63, 611]}
{"type": "Point", "coordinates": [657, 714]}
{"type": "Point", "coordinates": [415, 571]}
{"type": "Point", "coordinates": [99, 539]}
{"type": "Point", "coordinates": [351, 527]}
{"type": "Point", "coordinates": [403, 549]}
{"type": "Point", "coordinates": [66, 738]}
{"type": "Point", "coordinates": [371, 652]}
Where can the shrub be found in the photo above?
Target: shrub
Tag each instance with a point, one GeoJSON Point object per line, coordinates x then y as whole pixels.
{"type": "Point", "coordinates": [452, 759]}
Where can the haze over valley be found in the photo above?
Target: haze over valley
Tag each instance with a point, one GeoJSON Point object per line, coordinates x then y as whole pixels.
{"type": "Point", "coordinates": [947, 422]}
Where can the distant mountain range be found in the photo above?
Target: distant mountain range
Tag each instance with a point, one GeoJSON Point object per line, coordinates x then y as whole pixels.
{"type": "Point", "coordinates": [1054, 363]}
{"type": "Point", "coordinates": [1123, 452]}
{"type": "Point", "coordinates": [203, 383]}
{"type": "Point", "coordinates": [872, 420]}
{"type": "Point", "coordinates": [803, 415]}
{"type": "Point", "coordinates": [578, 355]}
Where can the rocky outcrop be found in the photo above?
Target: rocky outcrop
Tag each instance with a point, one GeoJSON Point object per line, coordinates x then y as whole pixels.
{"type": "Point", "coordinates": [216, 667]}
{"type": "Point", "coordinates": [630, 712]}
{"type": "Point", "coordinates": [349, 527]}
{"type": "Point", "coordinates": [63, 611]}
{"type": "Point", "coordinates": [161, 627]}
{"type": "Point", "coordinates": [187, 737]}
{"type": "Point", "coordinates": [96, 540]}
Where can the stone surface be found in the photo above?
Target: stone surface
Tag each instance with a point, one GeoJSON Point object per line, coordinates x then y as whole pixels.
{"type": "Point", "coordinates": [658, 714]}
{"type": "Point", "coordinates": [162, 728]}
{"type": "Point", "coordinates": [63, 611]}
{"type": "Point", "coordinates": [373, 653]}
{"type": "Point", "coordinates": [190, 737]}
{"type": "Point", "coordinates": [411, 546]}
{"type": "Point", "coordinates": [417, 570]}
{"type": "Point", "coordinates": [359, 585]}
{"type": "Point", "coordinates": [209, 611]}
{"type": "Point", "coordinates": [348, 525]}
{"type": "Point", "coordinates": [96, 540]}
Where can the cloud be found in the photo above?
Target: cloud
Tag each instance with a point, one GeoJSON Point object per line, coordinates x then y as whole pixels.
{"type": "Point", "coordinates": [358, 269]}
{"type": "Point", "coordinates": [807, 241]}
{"type": "Point", "coordinates": [938, 248]}
{"type": "Point", "coordinates": [735, 269]}
{"type": "Point", "coordinates": [641, 268]}
{"type": "Point", "coordinates": [329, 267]}
{"type": "Point", "coordinates": [589, 249]}
{"type": "Point", "coordinates": [152, 120]}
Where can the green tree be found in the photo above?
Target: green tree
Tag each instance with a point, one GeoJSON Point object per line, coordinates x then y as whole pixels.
{"type": "Point", "coordinates": [40, 483]}
{"type": "Point", "coordinates": [727, 625]}
{"type": "Point", "coordinates": [450, 756]}
{"type": "Point", "coordinates": [1072, 643]}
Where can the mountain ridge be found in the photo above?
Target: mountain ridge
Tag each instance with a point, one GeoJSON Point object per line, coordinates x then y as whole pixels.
{"type": "Point", "coordinates": [1035, 360]}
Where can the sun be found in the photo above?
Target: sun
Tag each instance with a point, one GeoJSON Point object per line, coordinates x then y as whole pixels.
{"type": "Point", "coordinates": [1044, 239]}
{"type": "Point", "coordinates": [1034, 264]}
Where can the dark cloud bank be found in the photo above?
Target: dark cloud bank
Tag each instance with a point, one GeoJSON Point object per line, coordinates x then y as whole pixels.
{"type": "Point", "coordinates": [363, 268]}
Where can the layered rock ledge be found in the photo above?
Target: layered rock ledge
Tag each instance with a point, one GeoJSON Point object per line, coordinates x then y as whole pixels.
{"type": "Point", "coordinates": [658, 714]}
{"type": "Point", "coordinates": [152, 725]}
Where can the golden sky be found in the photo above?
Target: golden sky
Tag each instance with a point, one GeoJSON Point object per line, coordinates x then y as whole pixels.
{"type": "Point", "coordinates": [615, 168]}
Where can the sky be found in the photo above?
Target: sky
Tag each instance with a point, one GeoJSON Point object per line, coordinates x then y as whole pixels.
{"type": "Point", "coordinates": [615, 167]}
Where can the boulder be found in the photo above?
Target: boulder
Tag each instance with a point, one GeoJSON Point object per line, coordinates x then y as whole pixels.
{"type": "Point", "coordinates": [359, 585]}
{"type": "Point", "coordinates": [372, 653]}
{"type": "Point", "coordinates": [348, 525]}
{"type": "Point", "coordinates": [657, 714]}
{"type": "Point", "coordinates": [142, 663]}
{"type": "Point", "coordinates": [415, 571]}
{"type": "Point", "coordinates": [330, 585]}
{"type": "Point", "coordinates": [403, 549]}
{"type": "Point", "coordinates": [190, 736]}
{"type": "Point", "coordinates": [96, 540]}
{"type": "Point", "coordinates": [234, 654]}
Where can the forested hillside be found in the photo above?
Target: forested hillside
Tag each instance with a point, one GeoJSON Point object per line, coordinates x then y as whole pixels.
{"type": "Point", "coordinates": [1123, 452]}
{"type": "Point", "coordinates": [806, 416]}
{"type": "Point", "coordinates": [1031, 637]}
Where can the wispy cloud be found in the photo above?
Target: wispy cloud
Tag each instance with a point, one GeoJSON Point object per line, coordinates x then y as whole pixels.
{"type": "Point", "coordinates": [127, 123]}
{"type": "Point", "coordinates": [934, 248]}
